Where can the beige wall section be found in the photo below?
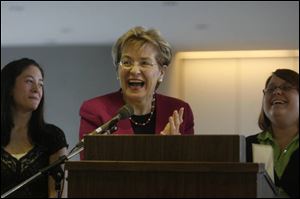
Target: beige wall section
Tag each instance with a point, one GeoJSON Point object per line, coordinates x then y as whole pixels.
{"type": "Point", "coordinates": [211, 98]}
{"type": "Point", "coordinates": [224, 89]}
{"type": "Point", "coordinates": [252, 76]}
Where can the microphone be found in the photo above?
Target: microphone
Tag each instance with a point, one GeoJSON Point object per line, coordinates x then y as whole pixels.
{"type": "Point", "coordinates": [124, 112]}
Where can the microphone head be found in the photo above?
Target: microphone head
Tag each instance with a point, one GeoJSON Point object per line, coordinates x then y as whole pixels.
{"type": "Point", "coordinates": [125, 111]}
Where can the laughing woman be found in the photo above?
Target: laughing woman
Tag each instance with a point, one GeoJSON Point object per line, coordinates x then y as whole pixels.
{"type": "Point", "coordinates": [279, 121]}
{"type": "Point", "coordinates": [141, 58]}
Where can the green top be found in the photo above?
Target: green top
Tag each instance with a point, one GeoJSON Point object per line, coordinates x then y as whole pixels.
{"type": "Point", "coordinates": [281, 158]}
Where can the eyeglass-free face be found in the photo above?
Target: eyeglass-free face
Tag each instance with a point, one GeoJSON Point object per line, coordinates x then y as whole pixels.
{"type": "Point", "coordinates": [28, 90]}
{"type": "Point", "coordinates": [139, 72]}
{"type": "Point", "coordinates": [281, 102]}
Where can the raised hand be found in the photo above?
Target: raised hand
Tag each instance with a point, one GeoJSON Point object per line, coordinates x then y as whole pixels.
{"type": "Point", "coordinates": [172, 128]}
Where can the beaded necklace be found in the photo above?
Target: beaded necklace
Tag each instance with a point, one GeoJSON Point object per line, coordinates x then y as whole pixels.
{"type": "Point", "coordinates": [150, 116]}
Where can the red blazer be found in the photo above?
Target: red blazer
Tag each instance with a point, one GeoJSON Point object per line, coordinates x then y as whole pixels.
{"type": "Point", "coordinates": [97, 111]}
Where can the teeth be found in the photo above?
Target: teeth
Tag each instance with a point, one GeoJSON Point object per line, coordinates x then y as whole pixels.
{"type": "Point", "coordinates": [278, 102]}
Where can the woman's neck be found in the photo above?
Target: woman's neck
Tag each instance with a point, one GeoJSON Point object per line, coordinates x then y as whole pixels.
{"type": "Point", "coordinates": [284, 135]}
{"type": "Point", "coordinates": [142, 107]}
{"type": "Point", "coordinates": [21, 119]}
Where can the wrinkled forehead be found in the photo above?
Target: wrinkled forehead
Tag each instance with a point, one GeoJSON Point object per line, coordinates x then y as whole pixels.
{"type": "Point", "coordinates": [139, 48]}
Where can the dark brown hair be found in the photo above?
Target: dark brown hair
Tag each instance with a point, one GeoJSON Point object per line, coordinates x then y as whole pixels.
{"type": "Point", "coordinates": [287, 75]}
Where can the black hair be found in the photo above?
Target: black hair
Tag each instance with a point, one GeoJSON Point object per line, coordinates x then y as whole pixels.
{"type": "Point", "coordinates": [9, 74]}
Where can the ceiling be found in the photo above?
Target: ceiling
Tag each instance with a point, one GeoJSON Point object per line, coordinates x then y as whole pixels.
{"type": "Point", "coordinates": [188, 26]}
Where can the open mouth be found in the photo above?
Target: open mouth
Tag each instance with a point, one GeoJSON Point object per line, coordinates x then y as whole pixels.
{"type": "Point", "coordinates": [278, 102]}
{"type": "Point", "coordinates": [136, 83]}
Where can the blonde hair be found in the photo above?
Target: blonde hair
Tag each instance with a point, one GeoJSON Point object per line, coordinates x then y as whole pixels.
{"type": "Point", "coordinates": [140, 36]}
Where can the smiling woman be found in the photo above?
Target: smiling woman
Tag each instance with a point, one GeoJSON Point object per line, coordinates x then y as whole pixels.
{"type": "Point", "coordinates": [28, 144]}
{"type": "Point", "coordinates": [28, 90]}
{"type": "Point", "coordinates": [141, 58]}
{"type": "Point", "coordinates": [279, 120]}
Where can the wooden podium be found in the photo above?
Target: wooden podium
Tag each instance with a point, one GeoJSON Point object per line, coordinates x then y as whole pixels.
{"type": "Point", "coordinates": [166, 166]}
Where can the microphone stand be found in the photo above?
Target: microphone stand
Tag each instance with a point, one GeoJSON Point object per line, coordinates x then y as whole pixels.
{"type": "Point", "coordinates": [47, 170]}
{"type": "Point", "coordinates": [58, 175]}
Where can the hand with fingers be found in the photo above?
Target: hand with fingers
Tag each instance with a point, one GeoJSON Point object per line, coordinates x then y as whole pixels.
{"type": "Point", "coordinates": [172, 128]}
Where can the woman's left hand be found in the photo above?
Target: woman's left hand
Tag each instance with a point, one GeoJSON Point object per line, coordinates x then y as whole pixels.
{"type": "Point", "coordinates": [172, 128]}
